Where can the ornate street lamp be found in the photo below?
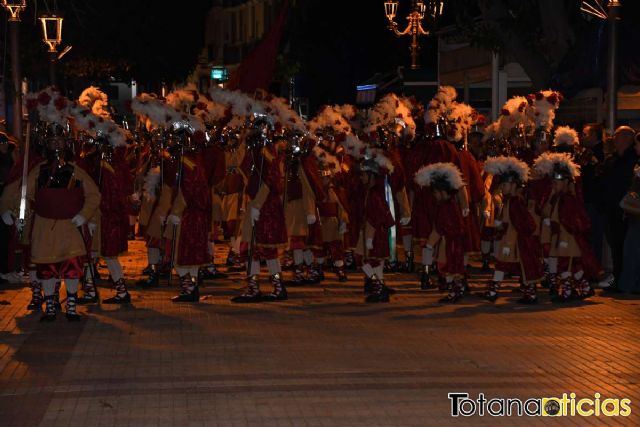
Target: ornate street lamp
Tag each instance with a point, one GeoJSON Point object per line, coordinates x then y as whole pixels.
{"type": "Point", "coordinates": [422, 10]}
{"type": "Point", "coordinates": [14, 8]}
{"type": "Point", "coordinates": [52, 37]}
{"type": "Point", "coordinates": [612, 14]}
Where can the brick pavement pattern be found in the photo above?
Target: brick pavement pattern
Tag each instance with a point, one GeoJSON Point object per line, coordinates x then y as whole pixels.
{"type": "Point", "coordinates": [322, 358]}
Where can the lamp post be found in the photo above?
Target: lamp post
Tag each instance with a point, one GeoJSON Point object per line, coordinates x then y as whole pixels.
{"type": "Point", "coordinates": [14, 8]}
{"type": "Point", "coordinates": [428, 9]}
{"type": "Point", "coordinates": [611, 14]}
{"type": "Point", "coordinates": [52, 37]}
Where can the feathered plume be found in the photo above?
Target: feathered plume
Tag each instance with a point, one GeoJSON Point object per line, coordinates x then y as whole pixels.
{"type": "Point", "coordinates": [329, 117]}
{"type": "Point", "coordinates": [52, 107]}
{"type": "Point", "coordinates": [547, 164]}
{"type": "Point", "coordinates": [183, 99]}
{"type": "Point", "coordinates": [544, 105]}
{"type": "Point", "coordinates": [159, 113]}
{"type": "Point", "coordinates": [95, 100]}
{"type": "Point", "coordinates": [463, 117]}
{"type": "Point", "coordinates": [439, 173]}
{"type": "Point", "coordinates": [503, 165]}
{"type": "Point", "coordinates": [241, 105]}
{"type": "Point", "coordinates": [566, 136]}
{"type": "Point", "coordinates": [389, 108]}
{"type": "Point", "coordinates": [440, 104]}
{"type": "Point", "coordinates": [326, 160]}
{"type": "Point", "coordinates": [98, 126]}
{"type": "Point", "coordinates": [280, 111]}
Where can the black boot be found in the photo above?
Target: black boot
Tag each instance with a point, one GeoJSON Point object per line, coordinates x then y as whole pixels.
{"type": "Point", "coordinates": [188, 290]}
{"type": "Point", "coordinates": [71, 314]}
{"type": "Point", "coordinates": [36, 296]}
{"type": "Point", "coordinates": [251, 294]}
{"type": "Point", "coordinates": [298, 276]}
{"type": "Point", "coordinates": [565, 291]}
{"type": "Point", "coordinates": [455, 293]}
{"type": "Point", "coordinates": [425, 279]}
{"type": "Point", "coordinates": [152, 281]}
{"type": "Point", "coordinates": [529, 295]}
{"type": "Point", "coordinates": [342, 276]}
{"type": "Point", "coordinates": [279, 291]}
{"type": "Point", "coordinates": [314, 274]}
{"type": "Point", "coordinates": [122, 295]}
{"type": "Point", "coordinates": [380, 292]}
{"type": "Point", "coordinates": [491, 294]}
{"type": "Point", "coordinates": [410, 265]}
{"type": "Point", "coordinates": [50, 310]}
{"type": "Point", "coordinates": [90, 293]}
{"type": "Point", "coordinates": [147, 270]}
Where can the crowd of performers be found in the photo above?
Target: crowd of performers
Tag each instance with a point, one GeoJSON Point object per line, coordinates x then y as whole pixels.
{"type": "Point", "coordinates": [348, 188]}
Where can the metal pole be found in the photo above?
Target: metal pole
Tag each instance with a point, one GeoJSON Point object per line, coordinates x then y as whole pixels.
{"type": "Point", "coordinates": [612, 72]}
{"type": "Point", "coordinates": [16, 74]}
{"type": "Point", "coordinates": [52, 68]}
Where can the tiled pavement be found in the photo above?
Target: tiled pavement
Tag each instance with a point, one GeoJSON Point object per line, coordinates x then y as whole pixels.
{"type": "Point", "coordinates": [323, 358]}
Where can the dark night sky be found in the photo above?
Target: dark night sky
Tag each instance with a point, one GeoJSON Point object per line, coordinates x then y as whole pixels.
{"type": "Point", "coordinates": [338, 43]}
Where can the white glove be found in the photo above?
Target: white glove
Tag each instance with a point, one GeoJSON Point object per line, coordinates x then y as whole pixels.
{"type": "Point", "coordinates": [342, 228]}
{"type": "Point", "coordinates": [486, 214]}
{"type": "Point", "coordinates": [135, 197]}
{"type": "Point", "coordinates": [255, 215]}
{"type": "Point", "coordinates": [465, 212]}
{"type": "Point", "coordinates": [174, 219]}
{"type": "Point", "coordinates": [497, 223]}
{"type": "Point", "coordinates": [369, 243]}
{"type": "Point", "coordinates": [506, 251]}
{"type": "Point", "coordinates": [311, 219]}
{"type": "Point", "coordinates": [547, 222]}
{"type": "Point", "coordinates": [563, 244]}
{"type": "Point", "coordinates": [7, 218]}
{"type": "Point", "coordinates": [405, 221]}
{"type": "Point", "coordinates": [79, 220]}
{"type": "Point", "coordinates": [92, 226]}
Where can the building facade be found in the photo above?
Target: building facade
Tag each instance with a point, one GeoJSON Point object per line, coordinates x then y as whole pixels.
{"type": "Point", "coordinates": [233, 28]}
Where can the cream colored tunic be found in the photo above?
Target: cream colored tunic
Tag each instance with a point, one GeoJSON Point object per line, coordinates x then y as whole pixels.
{"type": "Point", "coordinates": [54, 240]}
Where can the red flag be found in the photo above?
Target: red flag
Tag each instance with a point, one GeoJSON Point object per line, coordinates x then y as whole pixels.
{"type": "Point", "coordinates": [257, 68]}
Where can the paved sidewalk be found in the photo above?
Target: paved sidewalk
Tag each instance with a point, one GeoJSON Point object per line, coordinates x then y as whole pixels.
{"type": "Point", "coordinates": [323, 358]}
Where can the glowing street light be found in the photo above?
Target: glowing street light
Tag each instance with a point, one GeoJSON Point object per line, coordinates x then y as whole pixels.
{"type": "Point", "coordinates": [52, 37]}
{"type": "Point", "coordinates": [14, 8]}
{"type": "Point", "coordinates": [431, 9]}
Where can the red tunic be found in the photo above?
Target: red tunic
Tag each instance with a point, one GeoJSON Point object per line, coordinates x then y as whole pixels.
{"type": "Point", "coordinates": [271, 230]}
{"type": "Point", "coordinates": [575, 220]}
{"type": "Point", "coordinates": [196, 217]}
{"type": "Point", "coordinates": [475, 189]}
{"type": "Point", "coordinates": [529, 247]}
{"type": "Point", "coordinates": [379, 217]}
{"type": "Point", "coordinates": [449, 223]}
{"type": "Point", "coordinates": [114, 219]}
